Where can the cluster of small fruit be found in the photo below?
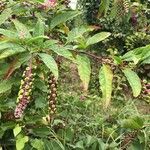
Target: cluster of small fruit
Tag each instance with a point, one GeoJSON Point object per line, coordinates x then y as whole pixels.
{"type": "Point", "coordinates": [146, 89]}
{"type": "Point", "coordinates": [52, 94]}
{"type": "Point", "coordinates": [24, 95]}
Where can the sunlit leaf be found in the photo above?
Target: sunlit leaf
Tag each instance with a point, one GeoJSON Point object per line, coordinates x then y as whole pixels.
{"type": "Point", "coordinates": [78, 32]}
{"type": "Point", "coordinates": [105, 79]}
{"type": "Point", "coordinates": [50, 63]}
{"type": "Point", "coordinates": [84, 70]}
{"type": "Point", "coordinates": [9, 33]}
{"type": "Point", "coordinates": [63, 17]}
{"type": "Point", "coordinates": [134, 122]}
{"type": "Point", "coordinates": [62, 51]}
{"type": "Point", "coordinates": [134, 81]}
{"type": "Point", "coordinates": [23, 32]}
{"type": "Point", "coordinates": [97, 38]}
{"type": "Point", "coordinates": [5, 15]}
{"type": "Point", "coordinates": [15, 49]}
{"type": "Point", "coordinates": [21, 141]}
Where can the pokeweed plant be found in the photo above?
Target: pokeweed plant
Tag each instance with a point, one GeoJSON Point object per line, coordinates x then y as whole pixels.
{"type": "Point", "coordinates": [27, 41]}
{"type": "Point", "coordinates": [34, 41]}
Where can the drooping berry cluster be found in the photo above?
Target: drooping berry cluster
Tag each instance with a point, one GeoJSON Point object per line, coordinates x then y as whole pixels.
{"type": "Point", "coordinates": [24, 94]}
{"type": "Point", "coordinates": [146, 89]}
{"type": "Point", "coordinates": [52, 94]}
{"type": "Point", "coordinates": [126, 5]}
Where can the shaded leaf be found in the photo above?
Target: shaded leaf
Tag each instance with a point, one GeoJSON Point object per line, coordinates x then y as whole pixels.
{"type": "Point", "coordinates": [105, 79]}
{"type": "Point", "coordinates": [134, 81]}
{"type": "Point", "coordinates": [5, 86]}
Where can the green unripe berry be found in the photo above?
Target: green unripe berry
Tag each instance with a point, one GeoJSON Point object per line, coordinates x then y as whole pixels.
{"type": "Point", "coordinates": [27, 78]}
{"type": "Point", "coordinates": [53, 106]}
{"type": "Point", "coordinates": [53, 85]}
{"type": "Point", "coordinates": [28, 68]}
{"type": "Point", "coordinates": [27, 93]}
{"type": "Point", "coordinates": [22, 82]}
{"type": "Point", "coordinates": [53, 95]}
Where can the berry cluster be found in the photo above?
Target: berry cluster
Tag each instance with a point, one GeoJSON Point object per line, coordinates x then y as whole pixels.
{"type": "Point", "coordinates": [2, 5]}
{"type": "Point", "coordinates": [52, 94]}
{"type": "Point", "coordinates": [126, 5]}
{"type": "Point", "coordinates": [24, 94]}
{"type": "Point", "coordinates": [146, 89]}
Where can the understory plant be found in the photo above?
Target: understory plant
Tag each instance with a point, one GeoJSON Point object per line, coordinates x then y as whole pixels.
{"type": "Point", "coordinates": [39, 41]}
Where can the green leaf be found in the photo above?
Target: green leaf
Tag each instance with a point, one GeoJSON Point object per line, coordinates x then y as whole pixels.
{"type": "Point", "coordinates": [39, 30]}
{"type": "Point", "coordinates": [97, 38]}
{"type": "Point", "coordinates": [5, 86]}
{"type": "Point", "coordinates": [15, 49]}
{"type": "Point", "coordinates": [106, 79]}
{"type": "Point", "coordinates": [5, 45]}
{"type": "Point", "coordinates": [37, 144]}
{"type": "Point", "coordinates": [134, 81]}
{"type": "Point", "coordinates": [77, 33]}
{"type": "Point", "coordinates": [62, 51]}
{"type": "Point", "coordinates": [104, 7]}
{"type": "Point", "coordinates": [137, 55]}
{"type": "Point", "coordinates": [134, 122]}
{"type": "Point", "coordinates": [5, 15]}
{"type": "Point", "coordinates": [84, 70]}
{"type": "Point", "coordinates": [9, 33]}
{"type": "Point", "coordinates": [21, 141]}
{"type": "Point", "coordinates": [63, 17]}
{"type": "Point", "coordinates": [17, 130]}
{"type": "Point", "coordinates": [23, 32]}
{"type": "Point", "coordinates": [146, 61]}
{"type": "Point", "coordinates": [37, 39]}
{"type": "Point", "coordinates": [53, 145]}
{"type": "Point", "coordinates": [79, 145]}
{"type": "Point", "coordinates": [50, 63]}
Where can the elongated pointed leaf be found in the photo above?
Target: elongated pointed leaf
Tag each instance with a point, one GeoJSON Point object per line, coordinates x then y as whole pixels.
{"type": "Point", "coordinates": [8, 33]}
{"type": "Point", "coordinates": [62, 51]}
{"type": "Point", "coordinates": [39, 30]}
{"type": "Point", "coordinates": [105, 79]}
{"type": "Point", "coordinates": [50, 63]}
{"type": "Point", "coordinates": [23, 32]}
{"type": "Point", "coordinates": [63, 17]}
{"type": "Point", "coordinates": [12, 49]}
{"type": "Point", "coordinates": [84, 70]}
{"type": "Point", "coordinates": [5, 86]}
{"type": "Point", "coordinates": [134, 81]}
{"type": "Point", "coordinates": [5, 15]}
{"type": "Point", "coordinates": [97, 38]}
{"type": "Point", "coordinates": [15, 49]}
{"type": "Point", "coordinates": [134, 122]}
{"type": "Point", "coordinates": [78, 32]}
